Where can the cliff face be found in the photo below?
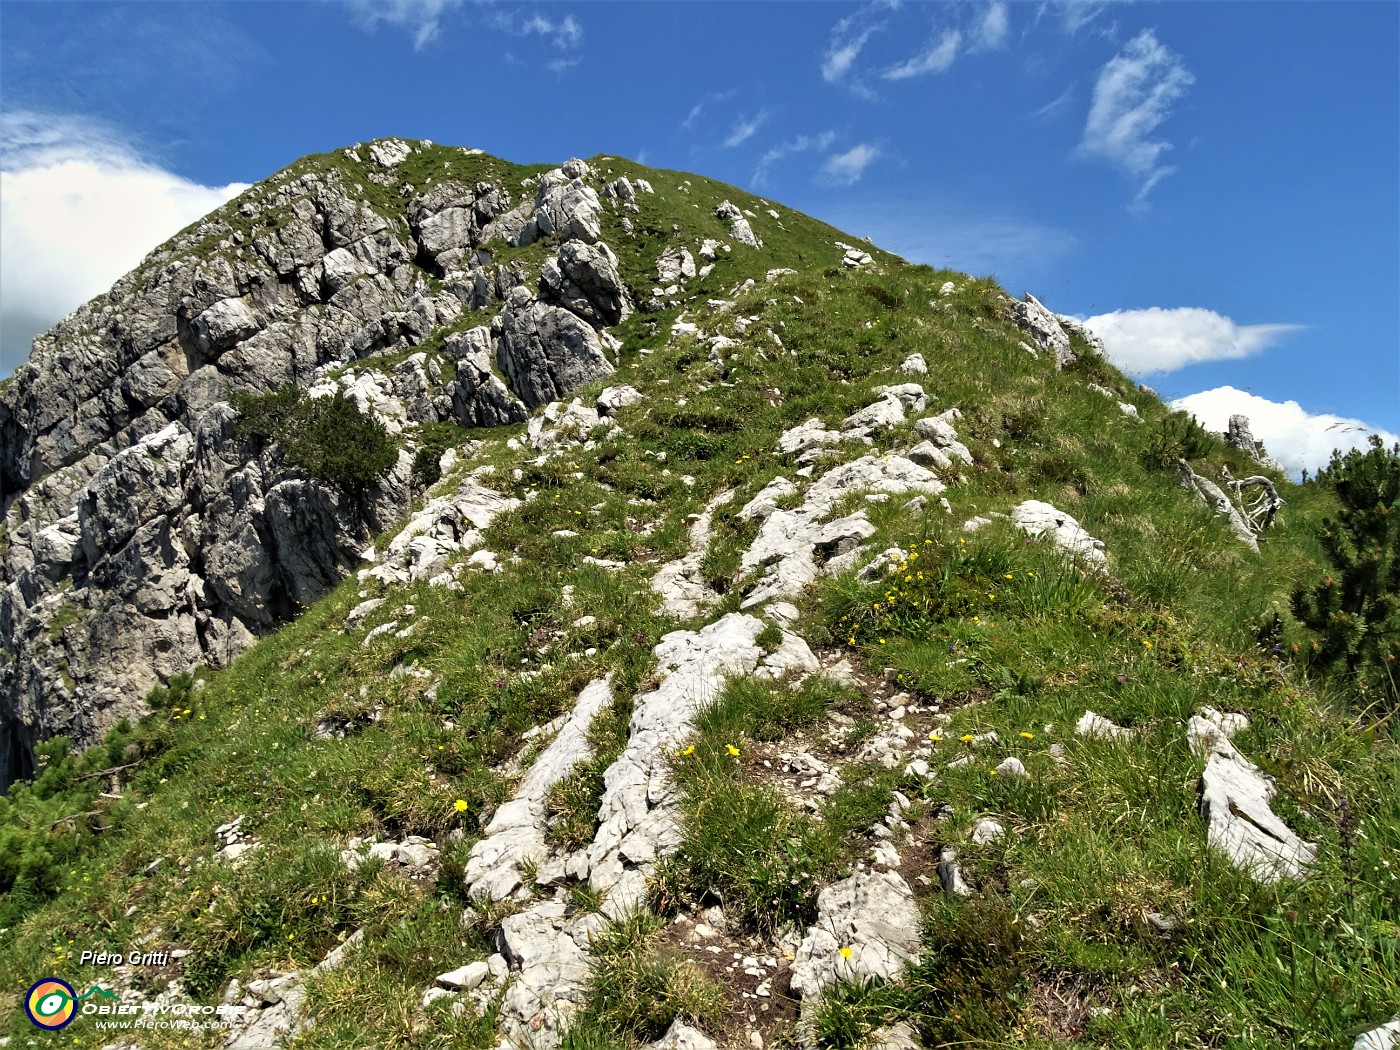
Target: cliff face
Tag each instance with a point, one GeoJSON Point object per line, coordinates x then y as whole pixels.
{"type": "Point", "coordinates": [144, 534]}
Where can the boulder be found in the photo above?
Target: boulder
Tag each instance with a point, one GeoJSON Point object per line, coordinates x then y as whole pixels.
{"type": "Point", "coordinates": [571, 209]}
{"type": "Point", "coordinates": [1038, 518]}
{"type": "Point", "coordinates": [1235, 796]}
{"type": "Point", "coordinates": [867, 929]}
{"type": "Point", "coordinates": [739, 227]}
{"type": "Point", "coordinates": [675, 265]}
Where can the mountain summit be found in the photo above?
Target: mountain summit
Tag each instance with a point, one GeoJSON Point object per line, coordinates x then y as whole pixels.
{"type": "Point", "coordinates": [593, 606]}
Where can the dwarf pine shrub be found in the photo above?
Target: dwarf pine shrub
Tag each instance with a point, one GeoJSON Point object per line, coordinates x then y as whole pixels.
{"type": "Point", "coordinates": [328, 437]}
{"type": "Point", "coordinates": [1355, 609]}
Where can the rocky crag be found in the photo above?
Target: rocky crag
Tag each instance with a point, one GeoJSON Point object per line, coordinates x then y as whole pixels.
{"type": "Point", "coordinates": [143, 535]}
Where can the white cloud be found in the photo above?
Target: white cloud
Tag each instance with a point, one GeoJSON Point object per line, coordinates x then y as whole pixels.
{"type": "Point", "coordinates": [1074, 15]}
{"type": "Point", "coordinates": [849, 37]}
{"type": "Point", "coordinates": [564, 35]}
{"type": "Point", "coordinates": [1294, 436]}
{"type": "Point", "coordinates": [992, 27]}
{"type": "Point", "coordinates": [985, 33]}
{"type": "Point", "coordinates": [1158, 340]}
{"type": "Point", "coordinates": [421, 18]}
{"type": "Point", "coordinates": [937, 57]}
{"type": "Point", "coordinates": [744, 129]}
{"type": "Point", "coordinates": [1057, 105]}
{"type": "Point", "coordinates": [700, 107]}
{"type": "Point", "coordinates": [846, 169]}
{"type": "Point", "coordinates": [78, 209]}
{"type": "Point", "coordinates": [1133, 95]}
{"type": "Point", "coordinates": [801, 144]}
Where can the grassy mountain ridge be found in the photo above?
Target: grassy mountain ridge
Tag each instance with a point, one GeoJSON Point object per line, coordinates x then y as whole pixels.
{"type": "Point", "coordinates": [320, 734]}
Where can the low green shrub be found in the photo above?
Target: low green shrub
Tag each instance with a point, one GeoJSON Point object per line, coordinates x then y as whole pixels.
{"type": "Point", "coordinates": [1178, 436]}
{"type": "Point", "coordinates": [328, 437]}
{"type": "Point", "coordinates": [1354, 611]}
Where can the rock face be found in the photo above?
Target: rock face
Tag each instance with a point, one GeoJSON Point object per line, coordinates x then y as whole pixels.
{"type": "Point", "coordinates": [144, 534]}
{"type": "Point", "coordinates": [546, 351]}
{"type": "Point", "coordinates": [1238, 435]}
{"type": "Point", "coordinates": [1044, 328]}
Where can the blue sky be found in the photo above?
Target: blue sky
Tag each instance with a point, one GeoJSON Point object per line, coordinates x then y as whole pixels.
{"type": "Point", "coordinates": [1214, 185]}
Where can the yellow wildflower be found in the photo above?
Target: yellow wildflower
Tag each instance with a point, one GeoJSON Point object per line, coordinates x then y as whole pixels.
{"type": "Point", "coordinates": [732, 750]}
{"type": "Point", "coordinates": [845, 953]}
{"type": "Point", "coordinates": [1028, 736]}
{"type": "Point", "coordinates": [460, 805]}
{"type": "Point", "coordinates": [967, 738]}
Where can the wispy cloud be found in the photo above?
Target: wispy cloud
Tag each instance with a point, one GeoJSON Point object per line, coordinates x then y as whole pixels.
{"type": "Point", "coordinates": [985, 32]}
{"type": "Point", "coordinates": [563, 35]}
{"type": "Point", "coordinates": [846, 169]}
{"type": "Point", "coordinates": [744, 129]}
{"type": "Point", "coordinates": [1073, 15]}
{"type": "Point", "coordinates": [1162, 340]}
{"type": "Point", "coordinates": [697, 110]}
{"type": "Point", "coordinates": [937, 57]}
{"type": "Point", "coordinates": [1058, 104]}
{"type": "Point", "coordinates": [1294, 436]}
{"type": "Point", "coordinates": [801, 144]}
{"type": "Point", "coordinates": [422, 19]}
{"type": "Point", "coordinates": [850, 35]}
{"type": "Point", "coordinates": [1133, 96]}
{"type": "Point", "coordinates": [78, 208]}
{"type": "Point", "coordinates": [848, 39]}
{"type": "Point", "coordinates": [991, 29]}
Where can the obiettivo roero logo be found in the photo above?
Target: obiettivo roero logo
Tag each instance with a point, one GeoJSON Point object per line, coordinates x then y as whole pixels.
{"type": "Point", "coordinates": [52, 1003]}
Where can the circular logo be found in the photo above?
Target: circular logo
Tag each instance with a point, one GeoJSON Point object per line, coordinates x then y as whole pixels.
{"type": "Point", "coordinates": [51, 1003]}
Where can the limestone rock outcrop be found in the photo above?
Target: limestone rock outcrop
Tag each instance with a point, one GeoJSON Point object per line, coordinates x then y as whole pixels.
{"type": "Point", "coordinates": [145, 533]}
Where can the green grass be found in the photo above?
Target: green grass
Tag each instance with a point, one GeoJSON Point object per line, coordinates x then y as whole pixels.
{"type": "Point", "coordinates": [999, 633]}
{"type": "Point", "coordinates": [639, 988]}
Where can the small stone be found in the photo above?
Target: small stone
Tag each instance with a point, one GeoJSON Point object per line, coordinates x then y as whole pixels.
{"type": "Point", "coordinates": [1162, 924]}
{"type": "Point", "coordinates": [473, 974]}
{"type": "Point", "coordinates": [1386, 1037]}
{"type": "Point", "coordinates": [987, 830]}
